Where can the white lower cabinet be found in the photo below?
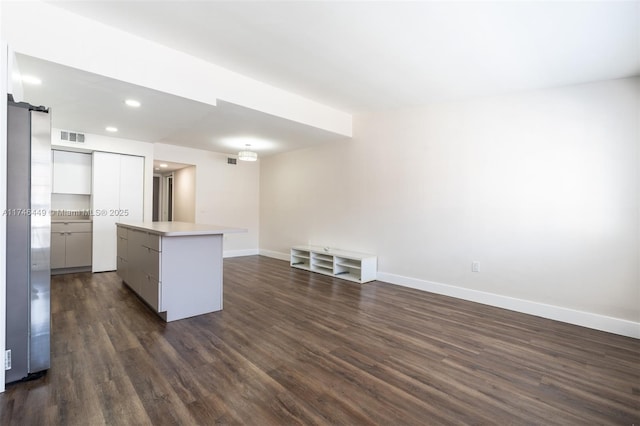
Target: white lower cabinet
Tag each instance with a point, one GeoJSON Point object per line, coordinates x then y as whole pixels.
{"type": "Point", "coordinates": [140, 258]}
{"type": "Point", "coordinates": [347, 265]}
{"type": "Point", "coordinates": [70, 246]}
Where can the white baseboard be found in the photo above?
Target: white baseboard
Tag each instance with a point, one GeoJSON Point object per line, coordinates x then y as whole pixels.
{"type": "Point", "coordinates": [557, 313]}
{"type": "Point", "coordinates": [239, 253]}
{"type": "Point", "coordinates": [274, 254]}
{"type": "Point", "coordinates": [571, 316]}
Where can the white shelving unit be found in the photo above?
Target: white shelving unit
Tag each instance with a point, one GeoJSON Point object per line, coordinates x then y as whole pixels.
{"type": "Point", "coordinates": [347, 265]}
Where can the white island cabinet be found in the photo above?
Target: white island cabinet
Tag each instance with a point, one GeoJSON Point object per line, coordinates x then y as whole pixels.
{"type": "Point", "coordinates": [175, 267]}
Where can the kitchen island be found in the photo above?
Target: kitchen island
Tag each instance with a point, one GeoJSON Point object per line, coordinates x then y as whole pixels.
{"type": "Point", "coordinates": [175, 267]}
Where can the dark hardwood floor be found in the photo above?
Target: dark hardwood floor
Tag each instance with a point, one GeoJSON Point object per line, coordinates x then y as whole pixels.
{"type": "Point", "coordinates": [292, 347]}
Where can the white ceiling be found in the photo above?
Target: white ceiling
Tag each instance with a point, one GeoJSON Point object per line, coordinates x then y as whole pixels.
{"type": "Point", "coordinates": [355, 56]}
{"type": "Point", "coordinates": [365, 55]}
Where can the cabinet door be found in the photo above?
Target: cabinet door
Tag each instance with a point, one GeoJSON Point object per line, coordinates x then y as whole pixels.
{"type": "Point", "coordinates": [58, 255]}
{"type": "Point", "coordinates": [71, 173]}
{"type": "Point", "coordinates": [151, 263]}
{"type": "Point", "coordinates": [123, 247]}
{"type": "Point", "coordinates": [135, 254]}
{"type": "Point", "coordinates": [105, 198]}
{"type": "Point", "coordinates": [123, 269]}
{"type": "Point", "coordinates": [150, 291]}
{"type": "Point", "coordinates": [78, 249]}
{"type": "Point", "coordinates": [131, 188]}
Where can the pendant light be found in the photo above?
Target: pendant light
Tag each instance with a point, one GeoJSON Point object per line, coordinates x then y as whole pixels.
{"type": "Point", "coordinates": [247, 155]}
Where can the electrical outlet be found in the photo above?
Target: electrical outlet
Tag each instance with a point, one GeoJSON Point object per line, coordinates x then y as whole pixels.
{"type": "Point", "coordinates": [7, 359]}
{"type": "Point", "coordinates": [475, 266]}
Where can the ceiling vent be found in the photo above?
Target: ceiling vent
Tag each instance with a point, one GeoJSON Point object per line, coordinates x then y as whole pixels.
{"type": "Point", "coordinates": [232, 160]}
{"type": "Point", "coordinates": [71, 136]}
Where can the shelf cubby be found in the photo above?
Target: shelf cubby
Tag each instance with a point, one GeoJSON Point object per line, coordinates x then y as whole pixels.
{"type": "Point", "coordinates": [351, 266]}
{"type": "Point", "coordinates": [301, 259]}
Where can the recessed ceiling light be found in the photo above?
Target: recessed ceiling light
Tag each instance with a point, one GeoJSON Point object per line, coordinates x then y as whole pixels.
{"type": "Point", "coordinates": [111, 129]}
{"type": "Point", "coordinates": [29, 79]}
{"type": "Point", "coordinates": [157, 168]}
{"type": "Point", "coordinates": [164, 165]}
{"type": "Point", "coordinates": [132, 103]}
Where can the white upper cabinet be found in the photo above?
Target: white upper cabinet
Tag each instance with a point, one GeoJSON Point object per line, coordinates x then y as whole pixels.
{"type": "Point", "coordinates": [71, 173]}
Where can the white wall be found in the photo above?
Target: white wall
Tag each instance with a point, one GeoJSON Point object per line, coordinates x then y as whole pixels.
{"type": "Point", "coordinates": [541, 187]}
{"type": "Point", "coordinates": [184, 195]}
{"type": "Point", "coordinates": [120, 146]}
{"type": "Point", "coordinates": [225, 194]}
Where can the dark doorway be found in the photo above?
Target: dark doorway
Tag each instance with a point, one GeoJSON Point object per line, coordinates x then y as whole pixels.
{"type": "Point", "coordinates": [156, 199]}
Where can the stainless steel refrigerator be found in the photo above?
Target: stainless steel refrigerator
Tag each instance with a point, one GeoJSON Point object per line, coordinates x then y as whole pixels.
{"type": "Point", "coordinates": [28, 241]}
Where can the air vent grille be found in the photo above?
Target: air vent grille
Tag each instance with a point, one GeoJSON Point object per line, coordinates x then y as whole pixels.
{"type": "Point", "coordinates": [66, 135]}
{"type": "Point", "coordinates": [231, 160]}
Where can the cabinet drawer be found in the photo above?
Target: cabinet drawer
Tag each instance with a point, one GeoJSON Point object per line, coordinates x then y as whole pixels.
{"type": "Point", "coordinates": [123, 269]}
{"type": "Point", "coordinates": [145, 239]}
{"type": "Point", "coordinates": [152, 241]}
{"type": "Point", "coordinates": [122, 232]}
{"type": "Point", "coordinates": [136, 238]}
{"type": "Point", "coordinates": [151, 263]}
{"type": "Point", "coordinates": [123, 247]}
{"type": "Point", "coordinates": [70, 227]}
{"type": "Point", "coordinates": [150, 292]}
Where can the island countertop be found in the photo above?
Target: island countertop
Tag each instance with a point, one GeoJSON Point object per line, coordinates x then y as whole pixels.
{"type": "Point", "coordinates": [179, 229]}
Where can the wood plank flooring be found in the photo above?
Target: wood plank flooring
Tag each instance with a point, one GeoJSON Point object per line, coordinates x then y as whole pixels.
{"type": "Point", "coordinates": [293, 347]}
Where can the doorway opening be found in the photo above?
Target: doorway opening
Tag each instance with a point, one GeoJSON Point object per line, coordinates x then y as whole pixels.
{"type": "Point", "coordinates": [173, 192]}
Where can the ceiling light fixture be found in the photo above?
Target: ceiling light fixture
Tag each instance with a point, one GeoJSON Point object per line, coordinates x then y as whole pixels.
{"type": "Point", "coordinates": [132, 103]}
{"type": "Point", "coordinates": [111, 129]}
{"type": "Point", "coordinates": [247, 155]}
{"type": "Point", "coordinates": [164, 165]}
{"type": "Point", "coordinates": [29, 79]}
